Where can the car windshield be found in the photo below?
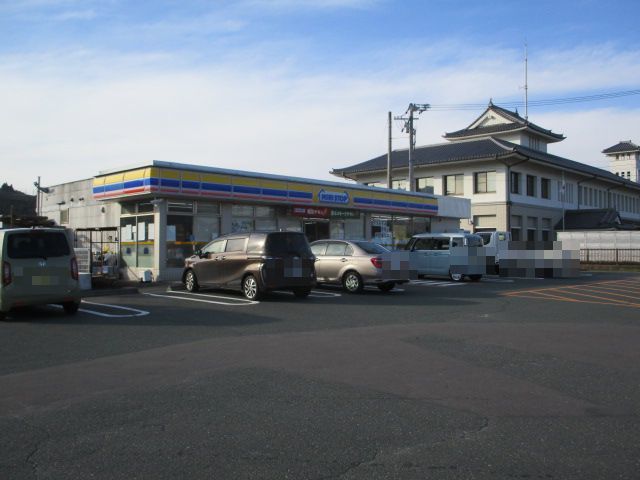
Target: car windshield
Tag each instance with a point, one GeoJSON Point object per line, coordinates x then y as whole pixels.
{"type": "Point", "coordinates": [475, 241]}
{"type": "Point", "coordinates": [370, 247]}
{"type": "Point", "coordinates": [287, 243]}
{"type": "Point", "coordinates": [486, 237]}
{"type": "Point", "coordinates": [37, 245]}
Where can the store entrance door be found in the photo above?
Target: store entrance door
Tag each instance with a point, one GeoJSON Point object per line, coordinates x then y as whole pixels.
{"type": "Point", "coordinates": [316, 229]}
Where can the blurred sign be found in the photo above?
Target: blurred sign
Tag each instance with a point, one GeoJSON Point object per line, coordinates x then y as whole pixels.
{"type": "Point", "coordinates": [310, 212]}
{"type": "Point", "coordinates": [344, 213]}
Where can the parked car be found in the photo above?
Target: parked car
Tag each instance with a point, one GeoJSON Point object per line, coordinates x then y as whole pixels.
{"type": "Point", "coordinates": [254, 262]}
{"type": "Point", "coordinates": [38, 267]}
{"type": "Point", "coordinates": [495, 244]}
{"type": "Point", "coordinates": [456, 255]}
{"type": "Point", "coordinates": [353, 264]}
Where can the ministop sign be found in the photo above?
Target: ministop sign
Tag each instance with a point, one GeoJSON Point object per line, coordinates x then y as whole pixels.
{"type": "Point", "coordinates": [333, 197]}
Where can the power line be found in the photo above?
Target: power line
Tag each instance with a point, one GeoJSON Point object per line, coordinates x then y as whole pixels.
{"type": "Point", "coordinates": [536, 103]}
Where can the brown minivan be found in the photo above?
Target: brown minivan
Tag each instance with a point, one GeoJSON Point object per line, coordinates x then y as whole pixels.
{"type": "Point", "coordinates": [256, 262]}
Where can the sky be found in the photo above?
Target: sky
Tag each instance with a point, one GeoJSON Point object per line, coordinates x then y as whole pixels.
{"type": "Point", "coordinates": [295, 87]}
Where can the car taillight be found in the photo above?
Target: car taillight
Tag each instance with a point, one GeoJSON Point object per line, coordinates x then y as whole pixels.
{"type": "Point", "coordinates": [6, 273]}
{"type": "Point", "coordinates": [74, 268]}
{"type": "Point", "coordinates": [377, 262]}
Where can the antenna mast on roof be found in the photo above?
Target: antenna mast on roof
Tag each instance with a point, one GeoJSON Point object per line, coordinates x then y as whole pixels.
{"type": "Point", "coordinates": [526, 83]}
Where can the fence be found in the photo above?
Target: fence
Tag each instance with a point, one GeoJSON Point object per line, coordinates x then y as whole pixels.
{"type": "Point", "coordinates": [616, 256]}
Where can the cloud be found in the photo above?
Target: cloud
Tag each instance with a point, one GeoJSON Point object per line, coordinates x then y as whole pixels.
{"type": "Point", "coordinates": [72, 113]}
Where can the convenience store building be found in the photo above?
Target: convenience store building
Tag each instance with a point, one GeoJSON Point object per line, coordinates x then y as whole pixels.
{"type": "Point", "coordinates": [158, 213]}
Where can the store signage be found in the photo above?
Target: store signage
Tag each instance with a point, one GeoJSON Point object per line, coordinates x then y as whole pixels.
{"type": "Point", "coordinates": [344, 213]}
{"type": "Point", "coordinates": [310, 212]}
{"type": "Point", "coordinates": [333, 197]}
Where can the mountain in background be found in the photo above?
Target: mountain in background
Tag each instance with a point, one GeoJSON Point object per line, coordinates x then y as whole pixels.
{"type": "Point", "coordinates": [23, 204]}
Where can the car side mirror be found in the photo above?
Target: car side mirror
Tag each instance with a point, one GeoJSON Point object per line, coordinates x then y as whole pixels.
{"type": "Point", "coordinates": [198, 253]}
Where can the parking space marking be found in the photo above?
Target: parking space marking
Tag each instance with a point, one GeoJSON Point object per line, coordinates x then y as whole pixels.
{"type": "Point", "coordinates": [137, 312]}
{"type": "Point", "coordinates": [498, 280]}
{"type": "Point", "coordinates": [235, 302]}
{"type": "Point", "coordinates": [436, 283]}
{"type": "Point", "coordinates": [613, 292]}
{"type": "Point", "coordinates": [320, 294]}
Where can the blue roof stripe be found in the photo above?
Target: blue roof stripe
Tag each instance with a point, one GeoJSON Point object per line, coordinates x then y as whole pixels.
{"type": "Point", "coordinates": [216, 187]}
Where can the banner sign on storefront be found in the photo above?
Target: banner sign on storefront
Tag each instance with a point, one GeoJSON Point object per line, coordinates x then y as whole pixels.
{"type": "Point", "coordinates": [310, 212]}
{"type": "Point", "coordinates": [344, 213]}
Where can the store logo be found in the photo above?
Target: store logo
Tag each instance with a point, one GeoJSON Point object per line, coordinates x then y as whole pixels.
{"type": "Point", "coordinates": [333, 197]}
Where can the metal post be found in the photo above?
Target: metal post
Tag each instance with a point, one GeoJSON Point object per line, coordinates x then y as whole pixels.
{"type": "Point", "coordinates": [389, 152]}
{"type": "Point", "coordinates": [412, 187]}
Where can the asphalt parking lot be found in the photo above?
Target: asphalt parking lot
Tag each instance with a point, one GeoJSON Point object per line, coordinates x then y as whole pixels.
{"type": "Point", "coordinates": [505, 378]}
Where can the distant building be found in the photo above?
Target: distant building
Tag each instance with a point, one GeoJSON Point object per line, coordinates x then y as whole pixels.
{"type": "Point", "coordinates": [500, 162]}
{"type": "Point", "coordinates": [624, 160]}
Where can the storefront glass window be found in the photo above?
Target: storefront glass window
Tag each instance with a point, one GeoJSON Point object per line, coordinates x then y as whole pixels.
{"type": "Point", "coordinates": [242, 211]}
{"type": "Point", "coordinates": [145, 232]}
{"type": "Point", "coordinates": [240, 225]}
{"type": "Point", "coordinates": [128, 250]}
{"type": "Point", "coordinates": [289, 224]}
{"type": "Point", "coordinates": [180, 207]}
{"type": "Point", "coordinates": [265, 224]}
{"type": "Point", "coordinates": [401, 232]}
{"type": "Point", "coordinates": [203, 208]}
{"type": "Point", "coordinates": [337, 229]}
{"type": "Point", "coordinates": [180, 239]}
{"type": "Point", "coordinates": [381, 230]}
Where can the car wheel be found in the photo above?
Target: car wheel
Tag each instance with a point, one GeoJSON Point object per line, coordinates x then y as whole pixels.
{"type": "Point", "coordinates": [191, 282]}
{"type": "Point", "coordinates": [475, 278]}
{"type": "Point", "coordinates": [250, 288]}
{"type": "Point", "coordinates": [352, 282]}
{"type": "Point", "coordinates": [456, 277]}
{"type": "Point", "coordinates": [301, 292]}
{"type": "Point", "coordinates": [386, 287]}
{"type": "Point", "coordinates": [71, 308]}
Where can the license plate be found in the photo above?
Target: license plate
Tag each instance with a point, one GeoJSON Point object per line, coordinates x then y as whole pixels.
{"type": "Point", "coordinates": [44, 280]}
{"type": "Point", "coordinates": [294, 270]}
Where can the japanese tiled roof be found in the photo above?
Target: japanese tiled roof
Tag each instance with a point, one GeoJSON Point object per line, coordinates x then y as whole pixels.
{"type": "Point", "coordinates": [469, 150]}
{"type": "Point", "coordinates": [516, 122]}
{"type": "Point", "coordinates": [622, 147]}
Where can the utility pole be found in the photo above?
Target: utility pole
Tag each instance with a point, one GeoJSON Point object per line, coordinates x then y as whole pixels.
{"type": "Point", "coordinates": [39, 191]}
{"type": "Point", "coordinates": [408, 127]}
{"type": "Point", "coordinates": [389, 152]}
{"type": "Point", "coordinates": [526, 83]}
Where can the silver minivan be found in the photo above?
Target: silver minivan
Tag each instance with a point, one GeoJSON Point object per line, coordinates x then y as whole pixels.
{"type": "Point", "coordinates": [456, 255]}
{"type": "Point", "coordinates": [38, 267]}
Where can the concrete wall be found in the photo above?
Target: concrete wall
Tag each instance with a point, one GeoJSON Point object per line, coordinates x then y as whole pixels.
{"type": "Point", "coordinates": [84, 211]}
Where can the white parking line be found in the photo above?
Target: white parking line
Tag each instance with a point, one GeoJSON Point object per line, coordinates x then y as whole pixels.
{"type": "Point", "coordinates": [435, 283]}
{"type": "Point", "coordinates": [138, 313]}
{"type": "Point", "coordinates": [235, 302]}
{"type": "Point", "coordinates": [319, 294]}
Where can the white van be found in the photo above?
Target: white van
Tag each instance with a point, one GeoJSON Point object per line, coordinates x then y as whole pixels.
{"type": "Point", "coordinates": [38, 267]}
{"type": "Point", "coordinates": [456, 255]}
{"type": "Point", "coordinates": [495, 244]}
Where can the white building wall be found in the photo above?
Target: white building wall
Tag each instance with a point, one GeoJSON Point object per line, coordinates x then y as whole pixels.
{"type": "Point", "coordinates": [84, 211]}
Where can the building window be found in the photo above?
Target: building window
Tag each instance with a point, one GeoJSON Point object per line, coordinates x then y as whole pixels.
{"type": "Point", "coordinates": [484, 182]}
{"type": "Point", "coordinates": [545, 188]}
{"type": "Point", "coordinates": [64, 216]}
{"type": "Point", "coordinates": [424, 185]}
{"type": "Point", "coordinates": [532, 227]}
{"type": "Point", "coordinates": [375, 184]}
{"type": "Point", "coordinates": [454, 184]}
{"type": "Point", "coordinates": [515, 182]}
{"type": "Point", "coordinates": [516, 227]}
{"type": "Point", "coordinates": [400, 184]}
{"type": "Point", "coordinates": [531, 186]}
